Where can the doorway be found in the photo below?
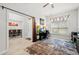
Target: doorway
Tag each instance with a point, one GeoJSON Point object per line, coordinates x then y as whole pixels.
{"type": "Point", "coordinates": [18, 32]}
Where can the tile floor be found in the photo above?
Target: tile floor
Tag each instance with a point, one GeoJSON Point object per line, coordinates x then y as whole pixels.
{"type": "Point", "coordinates": [18, 45]}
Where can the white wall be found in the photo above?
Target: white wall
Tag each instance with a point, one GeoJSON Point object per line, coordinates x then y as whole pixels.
{"type": "Point", "coordinates": [30, 28]}
{"type": "Point", "coordinates": [37, 20]}
{"type": "Point", "coordinates": [13, 17]}
{"type": "Point", "coordinates": [78, 19]}
{"type": "Point", "coordinates": [27, 28]}
{"type": "Point", "coordinates": [3, 31]}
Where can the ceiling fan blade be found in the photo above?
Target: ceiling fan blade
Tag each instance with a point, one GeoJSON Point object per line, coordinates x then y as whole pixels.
{"type": "Point", "coordinates": [45, 4]}
{"type": "Point", "coordinates": [52, 5]}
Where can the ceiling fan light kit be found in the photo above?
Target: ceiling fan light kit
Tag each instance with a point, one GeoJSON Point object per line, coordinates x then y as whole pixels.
{"type": "Point", "coordinates": [51, 4]}
{"type": "Point", "coordinates": [46, 4]}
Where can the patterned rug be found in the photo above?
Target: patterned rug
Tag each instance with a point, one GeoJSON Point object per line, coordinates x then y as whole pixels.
{"type": "Point", "coordinates": [62, 44]}
{"type": "Point", "coordinates": [40, 48]}
{"type": "Point", "coordinates": [52, 47]}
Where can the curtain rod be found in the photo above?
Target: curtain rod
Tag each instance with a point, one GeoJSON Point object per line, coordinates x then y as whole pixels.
{"type": "Point", "coordinates": [14, 10]}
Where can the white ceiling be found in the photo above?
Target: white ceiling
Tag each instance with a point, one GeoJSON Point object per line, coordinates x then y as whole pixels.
{"type": "Point", "coordinates": [36, 9]}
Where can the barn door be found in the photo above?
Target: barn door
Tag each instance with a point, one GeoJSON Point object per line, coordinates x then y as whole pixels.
{"type": "Point", "coordinates": [3, 30]}
{"type": "Point", "coordinates": [34, 29]}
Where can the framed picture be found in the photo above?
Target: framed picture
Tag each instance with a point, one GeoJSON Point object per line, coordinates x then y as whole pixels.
{"type": "Point", "coordinates": [13, 24]}
{"type": "Point", "coordinates": [41, 21]}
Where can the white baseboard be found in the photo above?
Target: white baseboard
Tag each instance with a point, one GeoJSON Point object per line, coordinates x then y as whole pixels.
{"type": "Point", "coordinates": [3, 52]}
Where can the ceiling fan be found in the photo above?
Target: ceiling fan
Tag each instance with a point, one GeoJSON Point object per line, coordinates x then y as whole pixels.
{"type": "Point", "coordinates": [52, 5]}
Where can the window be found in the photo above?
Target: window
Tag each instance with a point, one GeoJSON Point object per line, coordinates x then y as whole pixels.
{"type": "Point", "coordinates": [59, 26]}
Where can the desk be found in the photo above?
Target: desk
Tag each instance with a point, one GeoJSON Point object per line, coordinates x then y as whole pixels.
{"type": "Point", "coordinates": [42, 35]}
{"type": "Point", "coordinates": [15, 32]}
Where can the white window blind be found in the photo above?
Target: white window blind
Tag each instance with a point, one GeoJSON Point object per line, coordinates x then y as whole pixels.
{"type": "Point", "coordinates": [59, 26]}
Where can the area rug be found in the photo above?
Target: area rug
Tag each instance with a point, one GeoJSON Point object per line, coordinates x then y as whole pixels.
{"type": "Point", "coordinates": [41, 48]}
{"type": "Point", "coordinates": [52, 47]}
{"type": "Point", "coordinates": [63, 44]}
